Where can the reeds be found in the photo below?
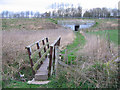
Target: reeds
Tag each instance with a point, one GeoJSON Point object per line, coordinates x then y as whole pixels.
{"type": "Point", "coordinates": [95, 67]}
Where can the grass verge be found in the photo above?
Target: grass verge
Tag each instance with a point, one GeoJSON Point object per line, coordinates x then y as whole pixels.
{"type": "Point", "coordinates": [72, 49]}
{"type": "Point", "coordinates": [112, 33]}
{"type": "Point", "coordinates": [52, 20]}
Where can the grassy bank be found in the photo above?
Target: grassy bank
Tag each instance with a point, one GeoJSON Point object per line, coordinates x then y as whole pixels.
{"type": "Point", "coordinates": [29, 24]}
{"type": "Point", "coordinates": [15, 57]}
{"type": "Point", "coordinates": [90, 66]}
{"type": "Point", "coordinates": [72, 49]}
{"type": "Point", "coordinates": [77, 44]}
{"type": "Point", "coordinates": [104, 24]}
{"type": "Point", "coordinates": [112, 33]}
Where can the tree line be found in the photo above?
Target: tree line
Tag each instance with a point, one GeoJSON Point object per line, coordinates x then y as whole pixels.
{"type": "Point", "coordinates": [102, 12]}
{"type": "Point", "coordinates": [64, 10]}
{"type": "Point", "coordinates": [58, 10]}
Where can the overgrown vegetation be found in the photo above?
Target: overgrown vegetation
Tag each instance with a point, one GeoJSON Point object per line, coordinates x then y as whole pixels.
{"type": "Point", "coordinates": [95, 66]}
{"type": "Point", "coordinates": [103, 24]}
{"type": "Point", "coordinates": [28, 24]}
{"type": "Point", "coordinates": [15, 58]}
{"type": "Point", "coordinates": [93, 61]}
{"type": "Point", "coordinates": [71, 49]}
{"type": "Point", "coordinates": [53, 20]}
{"type": "Point", "coordinates": [113, 34]}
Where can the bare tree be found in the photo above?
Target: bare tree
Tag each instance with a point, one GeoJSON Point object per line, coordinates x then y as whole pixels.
{"type": "Point", "coordinates": [22, 14]}
{"type": "Point", "coordinates": [27, 14]}
{"type": "Point", "coordinates": [115, 12]}
{"type": "Point", "coordinates": [87, 14]}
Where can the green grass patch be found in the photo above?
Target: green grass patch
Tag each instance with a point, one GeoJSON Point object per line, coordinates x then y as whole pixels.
{"type": "Point", "coordinates": [20, 84]}
{"type": "Point", "coordinates": [77, 44]}
{"type": "Point", "coordinates": [52, 20]}
{"type": "Point", "coordinates": [54, 83]}
{"type": "Point", "coordinates": [112, 33]}
{"type": "Point", "coordinates": [96, 24]}
{"type": "Point", "coordinates": [61, 82]}
{"type": "Point", "coordinates": [103, 24]}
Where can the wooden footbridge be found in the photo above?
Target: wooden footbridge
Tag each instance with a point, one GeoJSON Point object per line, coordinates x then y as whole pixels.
{"type": "Point", "coordinates": [42, 58]}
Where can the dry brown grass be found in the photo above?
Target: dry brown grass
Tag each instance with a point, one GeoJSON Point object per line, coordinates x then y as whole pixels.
{"type": "Point", "coordinates": [104, 24]}
{"type": "Point", "coordinates": [95, 65]}
{"type": "Point", "coordinates": [99, 67]}
{"type": "Point", "coordinates": [28, 24]}
{"type": "Point", "coordinates": [99, 48]}
{"type": "Point", "coordinates": [14, 43]}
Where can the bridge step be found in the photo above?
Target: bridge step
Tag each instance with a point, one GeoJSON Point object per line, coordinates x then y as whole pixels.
{"type": "Point", "coordinates": [37, 82]}
{"type": "Point", "coordinates": [42, 72]}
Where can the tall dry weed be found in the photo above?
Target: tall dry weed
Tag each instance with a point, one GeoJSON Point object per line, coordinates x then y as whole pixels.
{"type": "Point", "coordinates": [14, 54]}
{"type": "Point", "coordinates": [95, 65]}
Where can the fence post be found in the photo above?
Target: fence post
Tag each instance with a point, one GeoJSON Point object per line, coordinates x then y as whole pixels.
{"type": "Point", "coordinates": [50, 61]}
{"type": "Point", "coordinates": [56, 61]}
{"type": "Point", "coordinates": [44, 47]}
{"type": "Point", "coordinates": [31, 62]}
{"type": "Point", "coordinates": [38, 47]}
{"type": "Point", "coordinates": [54, 58]}
{"type": "Point", "coordinates": [47, 42]}
{"type": "Point", "coordinates": [59, 41]}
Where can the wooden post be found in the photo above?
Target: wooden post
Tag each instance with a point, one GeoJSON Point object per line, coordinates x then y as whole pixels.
{"type": "Point", "coordinates": [54, 58]}
{"type": "Point", "coordinates": [31, 62]}
{"type": "Point", "coordinates": [38, 47]}
{"type": "Point", "coordinates": [50, 61]}
{"type": "Point", "coordinates": [59, 41]}
{"type": "Point", "coordinates": [56, 61]}
{"type": "Point", "coordinates": [47, 42]}
{"type": "Point", "coordinates": [44, 47]}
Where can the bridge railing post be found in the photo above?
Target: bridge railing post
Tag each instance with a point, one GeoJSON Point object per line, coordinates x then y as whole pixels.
{"type": "Point", "coordinates": [38, 47]}
{"type": "Point", "coordinates": [56, 60]}
{"type": "Point", "coordinates": [44, 47]}
{"type": "Point", "coordinates": [31, 62]}
{"type": "Point", "coordinates": [47, 42]}
{"type": "Point", "coordinates": [50, 60]}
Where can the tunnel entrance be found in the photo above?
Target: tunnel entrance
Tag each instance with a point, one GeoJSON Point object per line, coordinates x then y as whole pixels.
{"type": "Point", "coordinates": [76, 27]}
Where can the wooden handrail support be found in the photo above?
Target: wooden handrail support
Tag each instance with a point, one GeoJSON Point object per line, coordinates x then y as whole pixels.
{"type": "Point", "coordinates": [52, 55]}
{"type": "Point", "coordinates": [39, 49]}
{"type": "Point", "coordinates": [47, 49]}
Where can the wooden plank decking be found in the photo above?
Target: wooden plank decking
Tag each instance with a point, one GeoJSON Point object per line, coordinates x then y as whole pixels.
{"type": "Point", "coordinates": [41, 76]}
{"type": "Point", "coordinates": [47, 59]}
{"type": "Point", "coordinates": [42, 72]}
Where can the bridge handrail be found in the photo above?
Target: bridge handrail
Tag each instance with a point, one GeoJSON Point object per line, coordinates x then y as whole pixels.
{"type": "Point", "coordinates": [52, 55]}
{"type": "Point", "coordinates": [49, 50]}
{"type": "Point", "coordinates": [39, 49]}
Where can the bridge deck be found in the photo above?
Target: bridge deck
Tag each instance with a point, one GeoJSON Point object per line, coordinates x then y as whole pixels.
{"type": "Point", "coordinates": [42, 72]}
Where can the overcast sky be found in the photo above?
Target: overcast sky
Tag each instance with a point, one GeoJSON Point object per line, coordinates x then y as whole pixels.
{"type": "Point", "coordinates": [42, 5]}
